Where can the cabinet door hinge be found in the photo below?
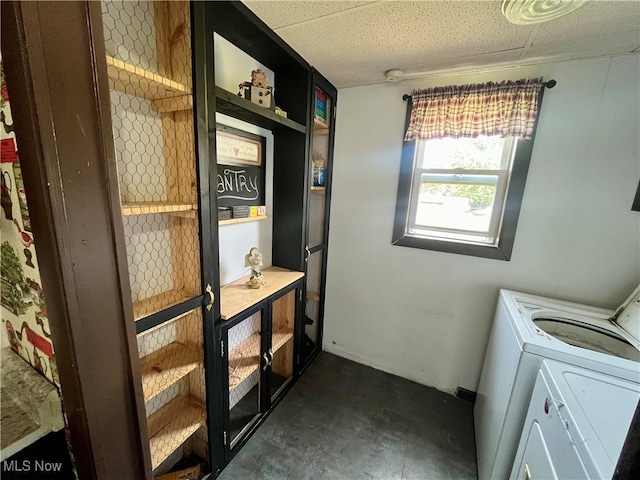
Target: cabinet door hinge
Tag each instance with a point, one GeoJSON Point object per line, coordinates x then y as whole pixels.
{"type": "Point", "coordinates": [334, 112]}
{"type": "Point", "coordinates": [222, 348]}
{"type": "Point", "coordinates": [300, 294]}
{"type": "Point", "coordinates": [298, 359]}
{"type": "Point", "coordinates": [224, 438]}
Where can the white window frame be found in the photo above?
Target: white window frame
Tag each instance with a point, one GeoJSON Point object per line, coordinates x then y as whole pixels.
{"type": "Point", "coordinates": [461, 243]}
{"type": "Point", "coordinates": [462, 176]}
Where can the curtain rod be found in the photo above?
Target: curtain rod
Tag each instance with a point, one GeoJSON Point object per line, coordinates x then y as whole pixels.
{"type": "Point", "coordinates": [549, 84]}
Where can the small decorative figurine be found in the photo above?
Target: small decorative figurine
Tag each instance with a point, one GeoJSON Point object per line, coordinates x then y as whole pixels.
{"type": "Point", "coordinates": [254, 260]}
{"type": "Point", "coordinates": [258, 89]}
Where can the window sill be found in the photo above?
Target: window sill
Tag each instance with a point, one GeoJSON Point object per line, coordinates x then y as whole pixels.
{"type": "Point", "coordinates": [499, 252]}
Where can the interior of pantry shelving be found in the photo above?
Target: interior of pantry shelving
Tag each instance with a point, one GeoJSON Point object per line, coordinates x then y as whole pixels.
{"type": "Point", "coordinates": [246, 352]}
{"type": "Point", "coordinates": [148, 46]}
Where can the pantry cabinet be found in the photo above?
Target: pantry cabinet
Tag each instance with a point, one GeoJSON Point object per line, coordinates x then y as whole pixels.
{"type": "Point", "coordinates": [198, 365]}
{"type": "Point", "coordinates": [258, 348]}
{"type": "Point", "coordinates": [318, 206]}
{"type": "Point", "coordinates": [166, 222]}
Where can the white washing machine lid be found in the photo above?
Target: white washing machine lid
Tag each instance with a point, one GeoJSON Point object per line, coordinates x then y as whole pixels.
{"type": "Point", "coordinates": [597, 410]}
{"type": "Point", "coordinates": [627, 316]}
{"type": "Point", "coordinates": [621, 350]}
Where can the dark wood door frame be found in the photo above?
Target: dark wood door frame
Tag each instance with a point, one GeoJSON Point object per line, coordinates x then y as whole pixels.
{"type": "Point", "coordinates": [53, 55]}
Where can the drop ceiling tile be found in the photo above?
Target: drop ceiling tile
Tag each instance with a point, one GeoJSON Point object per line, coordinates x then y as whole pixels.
{"type": "Point", "coordinates": [592, 46]}
{"type": "Point", "coordinates": [467, 63]}
{"type": "Point", "coordinates": [593, 19]}
{"type": "Point", "coordinates": [401, 34]}
{"type": "Point", "coordinates": [278, 14]}
{"type": "Point", "coordinates": [354, 43]}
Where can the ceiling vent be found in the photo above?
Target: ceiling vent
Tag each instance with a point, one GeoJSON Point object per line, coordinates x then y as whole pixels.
{"type": "Point", "coordinates": [527, 12]}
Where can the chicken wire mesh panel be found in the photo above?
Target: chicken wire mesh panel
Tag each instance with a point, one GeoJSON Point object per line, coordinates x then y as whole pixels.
{"type": "Point", "coordinates": [312, 311]}
{"type": "Point", "coordinates": [170, 353]}
{"type": "Point", "coordinates": [137, 132]}
{"type": "Point", "coordinates": [317, 199]}
{"type": "Point", "coordinates": [149, 66]}
{"type": "Point", "coordinates": [129, 32]}
{"type": "Point", "coordinates": [314, 272]}
{"type": "Point", "coordinates": [244, 356]}
{"type": "Point", "coordinates": [163, 257]}
{"type": "Point", "coordinates": [283, 313]}
{"type": "Point", "coordinates": [244, 341]}
{"type": "Point", "coordinates": [173, 381]}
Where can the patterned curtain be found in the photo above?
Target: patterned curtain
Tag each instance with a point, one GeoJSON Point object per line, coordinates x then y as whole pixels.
{"type": "Point", "coordinates": [508, 109]}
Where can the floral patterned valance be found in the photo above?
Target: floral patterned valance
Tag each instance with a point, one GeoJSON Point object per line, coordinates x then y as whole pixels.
{"type": "Point", "coordinates": [508, 109]}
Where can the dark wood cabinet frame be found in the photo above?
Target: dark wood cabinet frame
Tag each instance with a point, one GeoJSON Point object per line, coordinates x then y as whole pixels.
{"type": "Point", "coordinates": [53, 56]}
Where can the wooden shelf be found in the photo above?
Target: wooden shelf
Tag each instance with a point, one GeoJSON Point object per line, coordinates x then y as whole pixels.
{"type": "Point", "coordinates": [144, 208]}
{"type": "Point", "coordinates": [148, 306]}
{"type": "Point", "coordinates": [319, 127]}
{"type": "Point", "coordinates": [242, 109]}
{"type": "Point", "coordinates": [236, 297]}
{"type": "Point", "coordinates": [244, 360]}
{"type": "Point", "coordinates": [319, 190]}
{"type": "Point", "coordinates": [279, 339]}
{"type": "Point", "coordinates": [172, 425]}
{"type": "Point", "coordinates": [173, 104]}
{"type": "Point", "coordinates": [313, 296]}
{"type": "Point", "coordinates": [136, 81]}
{"type": "Point", "coordinates": [232, 221]}
{"type": "Point", "coordinates": [166, 366]}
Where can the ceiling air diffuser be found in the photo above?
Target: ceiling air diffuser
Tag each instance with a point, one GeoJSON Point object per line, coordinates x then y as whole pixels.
{"type": "Point", "coordinates": [527, 12]}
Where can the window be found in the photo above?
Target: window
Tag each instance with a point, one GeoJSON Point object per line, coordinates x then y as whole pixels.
{"type": "Point", "coordinates": [460, 191]}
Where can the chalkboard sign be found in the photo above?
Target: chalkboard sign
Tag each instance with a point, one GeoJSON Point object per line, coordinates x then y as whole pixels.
{"type": "Point", "coordinates": [240, 185]}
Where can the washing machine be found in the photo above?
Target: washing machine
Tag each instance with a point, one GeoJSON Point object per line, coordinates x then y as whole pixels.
{"type": "Point", "coordinates": [576, 424]}
{"type": "Point", "coordinates": [528, 329]}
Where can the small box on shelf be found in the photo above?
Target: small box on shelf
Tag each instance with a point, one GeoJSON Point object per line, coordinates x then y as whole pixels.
{"type": "Point", "coordinates": [190, 473]}
{"type": "Point", "coordinates": [240, 211]}
{"type": "Point", "coordinates": [253, 211]}
{"type": "Point", "coordinates": [321, 106]}
{"type": "Point", "coordinates": [224, 213]}
{"type": "Point", "coordinates": [318, 171]}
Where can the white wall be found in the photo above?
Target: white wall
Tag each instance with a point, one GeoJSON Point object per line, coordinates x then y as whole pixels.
{"type": "Point", "coordinates": [236, 240]}
{"type": "Point", "coordinates": [232, 67]}
{"type": "Point", "coordinates": [426, 315]}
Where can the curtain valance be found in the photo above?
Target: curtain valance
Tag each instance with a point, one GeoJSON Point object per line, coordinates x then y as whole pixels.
{"type": "Point", "coordinates": [508, 109]}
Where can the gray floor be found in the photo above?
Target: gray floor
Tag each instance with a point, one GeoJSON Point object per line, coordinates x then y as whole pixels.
{"type": "Point", "coordinates": [343, 420]}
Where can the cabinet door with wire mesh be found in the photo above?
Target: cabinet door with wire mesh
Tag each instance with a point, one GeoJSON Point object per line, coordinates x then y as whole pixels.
{"type": "Point", "coordinates": [246, 360]}
{"type": "Point", "coordinates": [281, 346]}
{"type": "Point", "coordinates": [149, 65]}
{"type": "Point", "coordinates": [318, 213]}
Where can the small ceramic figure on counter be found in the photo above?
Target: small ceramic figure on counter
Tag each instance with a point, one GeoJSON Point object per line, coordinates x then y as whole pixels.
{"type": "Point", "coordinates": [254, 259]}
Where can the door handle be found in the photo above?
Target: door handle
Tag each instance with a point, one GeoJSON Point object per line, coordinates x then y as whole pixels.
{"type": "Point", "coordinates": [270, 352]}
{"type": "Point", "coordinates": [266, 361]}
{"type": "Point", "coordinates": [212, 297]}
{"type": "Point", "coordinates": [308, 254]}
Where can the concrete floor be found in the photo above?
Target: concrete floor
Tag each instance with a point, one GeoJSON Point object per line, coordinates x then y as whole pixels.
{"type": "Point", "coordinates": [343, 420]}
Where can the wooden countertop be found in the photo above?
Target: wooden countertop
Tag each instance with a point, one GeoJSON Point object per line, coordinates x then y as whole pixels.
{"type": "Point", "coordinates": [236, 297]}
